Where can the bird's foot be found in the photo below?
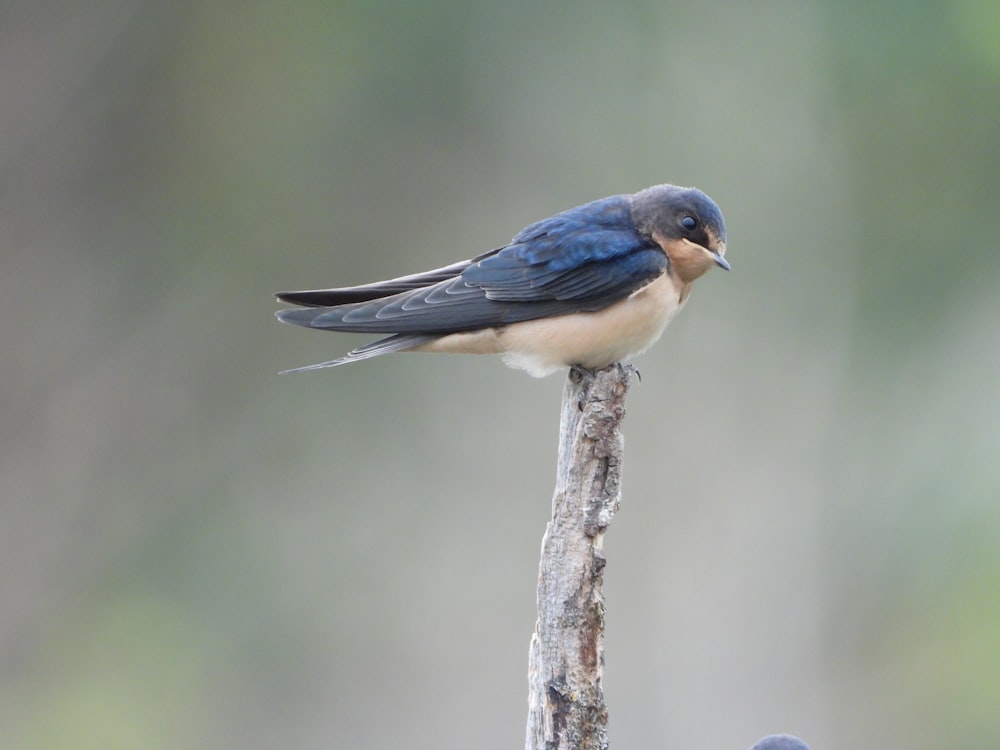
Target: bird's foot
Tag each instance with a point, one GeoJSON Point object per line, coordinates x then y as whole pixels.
{"type": "Point", "coordinates": [579, 373]}
{"type": "Point", "coordinates": [629, 370]}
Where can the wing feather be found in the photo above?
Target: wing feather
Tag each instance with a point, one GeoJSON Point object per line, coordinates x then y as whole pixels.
{"type": "Point", "coordinates": [378, 289]}
{"type": "Point", "coordinates": [581, 260]}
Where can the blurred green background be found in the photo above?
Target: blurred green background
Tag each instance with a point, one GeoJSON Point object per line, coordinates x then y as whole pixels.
{"type": "Point", "coordinates": [198, 553]}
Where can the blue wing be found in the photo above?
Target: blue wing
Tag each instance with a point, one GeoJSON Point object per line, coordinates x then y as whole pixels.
{"type": "Point", "coordinates": [376, 290]}
{"type": "Point", "coordinates": [581, 260]}
{"type": "Point", "coordinates": [588, 251]}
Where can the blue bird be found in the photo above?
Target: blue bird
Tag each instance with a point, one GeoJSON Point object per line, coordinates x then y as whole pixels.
{"type": "Point", "coordinates": [780, 742]}
{"type": "Point", "coordinates": [585, 288]}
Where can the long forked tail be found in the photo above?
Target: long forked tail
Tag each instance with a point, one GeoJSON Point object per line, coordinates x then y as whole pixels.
{"type": "Point", "coordinates": [399, 342]}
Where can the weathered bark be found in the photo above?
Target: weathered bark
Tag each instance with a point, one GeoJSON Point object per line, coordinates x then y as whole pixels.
{"type": "Point", "coordinates": [566, 708]}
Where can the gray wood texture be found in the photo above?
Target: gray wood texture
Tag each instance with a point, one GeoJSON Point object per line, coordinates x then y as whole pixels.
{"type": "Point", "coordinates": [566, 709]}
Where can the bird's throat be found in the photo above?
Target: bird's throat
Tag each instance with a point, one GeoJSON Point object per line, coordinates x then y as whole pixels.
{"type": "Point", "coordinates": [688, 261]}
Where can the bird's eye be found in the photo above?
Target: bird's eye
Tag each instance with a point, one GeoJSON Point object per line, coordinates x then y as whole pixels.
{"type": "Point", "coordinates": [689, 223]}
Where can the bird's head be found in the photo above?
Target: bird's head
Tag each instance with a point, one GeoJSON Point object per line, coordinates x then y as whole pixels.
{"type": "Point", "coordinates": [686, 223]}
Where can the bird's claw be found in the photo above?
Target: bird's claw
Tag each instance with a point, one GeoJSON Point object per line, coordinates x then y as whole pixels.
{"type": "Point", "coordinates": [629, 370]}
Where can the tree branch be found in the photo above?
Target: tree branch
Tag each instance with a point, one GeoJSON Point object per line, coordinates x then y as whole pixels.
{"type": "Point", "coordinates": [566, 709]}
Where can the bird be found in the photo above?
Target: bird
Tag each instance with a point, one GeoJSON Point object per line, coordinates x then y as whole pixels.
{"type": "Point", "coordinates": [780, 742]}
{"type": "Point", "coordinates": [585, 288]}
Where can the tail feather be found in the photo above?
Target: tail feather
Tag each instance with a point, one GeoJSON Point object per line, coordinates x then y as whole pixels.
{"type": "Point", "coordinates": [399, 342]}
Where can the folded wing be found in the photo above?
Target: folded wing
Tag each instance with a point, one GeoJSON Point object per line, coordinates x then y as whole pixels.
{"type": "Point", "coordinates": [581, 260]}
{"type": "Point", "coordinates": [378, 289]}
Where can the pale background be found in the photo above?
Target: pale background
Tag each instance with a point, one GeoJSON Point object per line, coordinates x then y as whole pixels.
{"type": "Point", "coordinates": [198, 553]}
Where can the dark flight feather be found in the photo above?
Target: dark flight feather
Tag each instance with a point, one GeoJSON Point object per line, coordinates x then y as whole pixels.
{"type": "Point", "coordinates": [581, 260]}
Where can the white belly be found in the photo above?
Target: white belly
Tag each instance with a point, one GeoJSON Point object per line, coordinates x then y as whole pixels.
{"type": "Point", "coordinates": [592, 340]}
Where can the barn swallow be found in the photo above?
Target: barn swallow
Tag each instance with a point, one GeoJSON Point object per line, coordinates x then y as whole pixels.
{"type": "Point", "coordinates": [585, 288]}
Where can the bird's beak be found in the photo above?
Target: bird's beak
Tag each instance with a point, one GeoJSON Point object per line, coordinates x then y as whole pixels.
{"type": "Point", "coordinates": [718, 257]}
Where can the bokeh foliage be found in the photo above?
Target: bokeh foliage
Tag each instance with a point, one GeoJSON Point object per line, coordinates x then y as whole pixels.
{"type": "Point", "coordinates": [196, 552]}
